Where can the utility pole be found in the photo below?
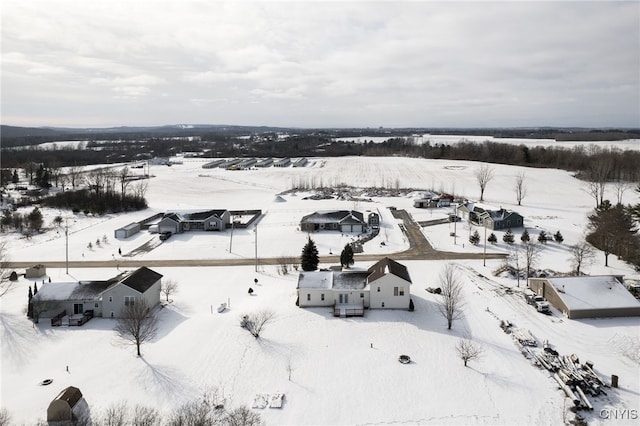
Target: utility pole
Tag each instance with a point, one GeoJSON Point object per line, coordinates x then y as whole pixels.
{"type": "Point", "coordinates": [231, 237]}
{"type": "Point", "coordinates": [66, 238]}
{"type": "Point", "coordinates": [255, 231]}
{"type": "Point", "coordinates": [484, 254]}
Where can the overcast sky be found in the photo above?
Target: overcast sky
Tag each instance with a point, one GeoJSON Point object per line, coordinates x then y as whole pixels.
{"type": "Point", "coordinates": [106, 63]}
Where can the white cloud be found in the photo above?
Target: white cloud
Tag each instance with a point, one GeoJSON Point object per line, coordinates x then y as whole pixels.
{"type": "Point", "coordinates": [413, 63]}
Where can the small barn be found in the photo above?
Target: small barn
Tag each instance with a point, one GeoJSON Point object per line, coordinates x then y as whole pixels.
{"type": "Point", "coordinates": [593, 296]}
{"type": "Point", "coordinates": [36, 271]}
{"type": "Point", "coordinates": [127, 231]}
{"type": "Point", "coordinates": [68, 408]}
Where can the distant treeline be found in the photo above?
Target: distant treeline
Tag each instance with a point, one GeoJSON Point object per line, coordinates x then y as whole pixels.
{"type": "Point", "coordinates": [621, 164]}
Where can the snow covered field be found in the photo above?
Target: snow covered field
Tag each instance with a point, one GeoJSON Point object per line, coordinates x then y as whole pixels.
{"type": "Point", "coordinates": [342, 371]}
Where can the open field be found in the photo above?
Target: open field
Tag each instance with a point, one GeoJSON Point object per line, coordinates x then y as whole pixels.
{"type": "Point", "coordinates": [331, 370]}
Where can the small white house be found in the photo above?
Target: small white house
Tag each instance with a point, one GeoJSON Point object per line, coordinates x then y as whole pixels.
{"type": "Point", "coordinates": [385, 285]}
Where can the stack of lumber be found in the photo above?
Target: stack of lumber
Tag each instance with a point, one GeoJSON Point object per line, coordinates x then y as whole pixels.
{"type": "Point", "coordinates": [575, 379]}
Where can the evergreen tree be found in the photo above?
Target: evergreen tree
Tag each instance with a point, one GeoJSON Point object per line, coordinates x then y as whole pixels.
{"type": "Point", "coordinates": [558, 237]}
{"type": "Point", "coordinates": [474, 238]}
{"type": "Point", "coordinates": [346, 257]}
{"type": "Point", "coordinates": [613, 230]}
{"type": "Point", "coordinates": [35, 219]}
{"type": "Point", "coordinates": [508, 237]}
{"type": "Point", "coordinates": [35, 288]}
{"type": "Point", "coordinates": [29, 305]}
{"type": "Point", "coordinates": [15, 178]}
{"type": "Point", "coordinates": [525, 236]}
{"type": "Point", "coordinates": [542, 237]}
{"type": "Point", "coordinates": [492, 238]}
{"type": "Point", "coordinates": [309, 259]}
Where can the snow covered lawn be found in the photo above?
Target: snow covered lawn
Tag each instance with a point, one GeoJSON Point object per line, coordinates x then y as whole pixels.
{"type": "Point", "coordinates": [330, 370]}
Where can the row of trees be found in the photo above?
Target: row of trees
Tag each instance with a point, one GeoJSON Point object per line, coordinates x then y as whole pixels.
{"type": "Point", "coordinates": [206, 410]}
{"type": "Point", "coordinates": [27, 224]}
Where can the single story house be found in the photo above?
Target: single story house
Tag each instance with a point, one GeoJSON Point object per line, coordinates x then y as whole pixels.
{"type": "Point", "coordinates": [334, 220]}
{"type": "Point", "coordinates": [208, 220]}
{"type": "Point", "coordinates": [105, 298]}
{"type": "Point", "coordinates": [587, 296]}
{"type": "Point", "coordinates": [491, 218]}
{"type": "Point", "coordinates": [431, 199]}
{"type": "Point", "coordinates": [385, 285]}
{"type": "Point", "coordinates": [68, 408]}
{"type": "Point", "coordinates": [127, 231]}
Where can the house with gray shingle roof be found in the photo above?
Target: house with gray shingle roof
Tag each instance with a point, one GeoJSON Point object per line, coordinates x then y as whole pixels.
{"type": "Point", "coordinates": [334, 220]}
{"type": "Point", "coordinates": [482, 215]}
{"type": "Point", "coordinates": [105, 298]}
{"type": "Point", "coordinates": [205, 220]}
{"type": "Point", "coordinates": [385, 285]}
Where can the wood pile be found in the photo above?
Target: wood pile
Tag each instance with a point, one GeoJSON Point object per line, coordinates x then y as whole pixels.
{"type": "Point", "coordinates": [578, 381]}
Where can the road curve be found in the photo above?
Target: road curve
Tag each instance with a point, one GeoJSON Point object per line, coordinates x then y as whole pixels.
{"type": "Point", "coordinates": [419, 249]}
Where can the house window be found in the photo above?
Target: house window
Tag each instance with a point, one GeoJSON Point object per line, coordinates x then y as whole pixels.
{"type": "Point", "coordinates": [361, 295]}
{"type": "Point", "coordinates": [395, 291]}
{"type": "Point", "coordinates": [129, 300]}
{"type": "Point", "coordinates": [308, 297]}
{"type": "Point", "coordinates": [110, 298]}
{"type": "Point", "coordinates": [322, 296]}
{"type": "Point", "coordinates": [383, 304]}
{"type": "Point", "coordinates": [95, 305]}
{"type": "Point", "coordinates": [111, 314]}
{"type": "Point", "coordinates": [401, 291]}
{"type": "Point", "coordinates": [378, 289]}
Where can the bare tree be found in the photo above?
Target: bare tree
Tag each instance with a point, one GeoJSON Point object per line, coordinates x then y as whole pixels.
{"type": "Point", "coordinates": [5, 417]}
{"type": "Point", "coordinates": [168, 288]}
{"type": "Point", "coordinates": [520, 187]}
{"type": "Point", "coordinates": [96, 180]}
{"type": "Point", "coordinates": [205, 411]}
{"type": "Point", "coordinates": [242, 416]}
{"type": "Point", "coordinates": [483, 174]}
{"type": "Point", "coordinates": [597, 176]}
{"type": "Point", "coordinates": [5, 282]}
{"type": "Point", "coordinates": [115, 415]}
{"type": "Point", "coordinates": [287, 264]}
{"type": "Point", "coordinates": [468, 350]}
{"type": "Point", "coordinates": [145, 416]}
{"type": "Point", "coordinates": [515, 261]}
{"type": "Point", "coordinates": [124, 177]}
{"type": "Point", "coordinates": [582, 254]}
{"type": "Point", "coordinates": [451, 303]}
{"type": "Point", "coordinates": [620, 187]}
{"type": "Point", "coordinates": [256, 322]}
{"type": "Point", "coordinates": [137, 324]}
{"type": "Point", "coordinates": [531, 251]}
{"type": "Point", "coordinates": [74, 173]}
{"type": "Point", "coordinates": [140, 189]}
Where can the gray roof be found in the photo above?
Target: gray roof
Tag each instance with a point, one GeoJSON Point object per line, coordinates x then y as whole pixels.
{"type": "Point", "coordinates": [141, 279]}
{"type": "Point", "coordinates": [204, 215]}
{"type": "Point", "coordinates": [334, 216]}
{"type": "Point", "coordinates": [385, 266]}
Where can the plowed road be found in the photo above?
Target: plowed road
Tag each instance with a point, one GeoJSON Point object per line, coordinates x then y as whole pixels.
{"type": "Point", "coordinates": [420, 249]}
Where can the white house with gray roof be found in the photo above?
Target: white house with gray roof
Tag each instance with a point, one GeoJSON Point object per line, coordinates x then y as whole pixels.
{"type": "Point", "coordinates": [105, 298]}
{"type": "Point", "coordinates": [385, 285]}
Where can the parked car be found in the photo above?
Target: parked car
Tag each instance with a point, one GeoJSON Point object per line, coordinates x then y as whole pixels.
{"type": "Point", "coordinates": [165, 236]}
{"type": "Point", "coordinates": [454, 218]}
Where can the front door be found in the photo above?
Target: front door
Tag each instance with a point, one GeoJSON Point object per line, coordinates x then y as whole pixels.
{"type": "Point", "coordinates": [78, 308]}
{"type": "Point", "coordinates": [343, 298]}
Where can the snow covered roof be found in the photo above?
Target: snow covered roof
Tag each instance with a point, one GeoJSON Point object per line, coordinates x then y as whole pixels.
{"type": "Point", "coordinates": [337, 280]}
{"type": "Point", "coordinates": [591, 292]}
{"type": "Point", "coordinates": [315, 279]}
{"type": "Point", "coordinates": [334, 216]}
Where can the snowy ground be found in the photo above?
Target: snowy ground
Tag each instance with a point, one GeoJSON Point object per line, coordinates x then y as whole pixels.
{"type": "Point", "coordinates": [337, 377]}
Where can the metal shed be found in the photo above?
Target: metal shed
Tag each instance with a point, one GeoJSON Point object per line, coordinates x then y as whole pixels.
{"type": "Point", "coordinates": [127, 231]}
